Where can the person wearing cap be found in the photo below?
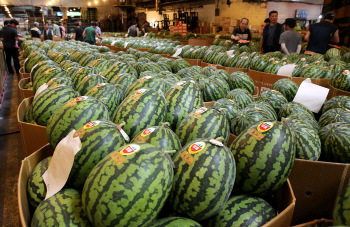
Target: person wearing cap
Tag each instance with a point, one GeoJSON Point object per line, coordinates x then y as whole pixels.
{"type": "Point", "coordinates": [133, 30]}
{"type": "Point", "coordinates": [35, 32]}
{"type": "Point", "coordinates": [90, 34]}
{"type": "Point", "coordinates": [271, 34]}
{"type": "Point", "coordinates": [242, 32]}
{"type": "Point", "coordinates": [10, 47]}
{"type": "Point", "coordinates": [56, 29]}
{"type": "Point", "coordinates": [290, 40]}
{"type": "Point", "coordinates": [321, 34]}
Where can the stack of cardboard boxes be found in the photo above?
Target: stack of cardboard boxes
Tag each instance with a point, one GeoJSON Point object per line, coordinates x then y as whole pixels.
{"type": "Point", "coordinates": [228, 24]}
{"type": "Point", "coordinates": [182, 29]}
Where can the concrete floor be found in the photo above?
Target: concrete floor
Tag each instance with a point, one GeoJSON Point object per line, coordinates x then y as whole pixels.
{"type": "Point", "coordinates": [11, 153]}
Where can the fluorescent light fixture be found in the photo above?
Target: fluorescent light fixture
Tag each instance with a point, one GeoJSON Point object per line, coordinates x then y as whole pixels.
{"type": "Point", "coordinates": [320, 16]}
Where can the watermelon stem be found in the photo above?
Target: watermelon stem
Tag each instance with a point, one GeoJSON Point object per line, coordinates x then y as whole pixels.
{"type": "Point", "coordinates": [165, 124]}
{"type": "Point", "coordinates": [220, 138]}
{"type": "Point", "coordinates": [122, 124]}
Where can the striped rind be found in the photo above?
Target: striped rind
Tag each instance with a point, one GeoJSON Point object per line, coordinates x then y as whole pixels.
{"type": "Point", "coordinates": [294, 108]}
{"type": "Point", "coordinates": [266, 107]}
{"type": "Point", "coordinates": [341, 213]}
{"type": "Point", "coordinates": [201, 189]}
{"type": "Point", "coordinates": [100, 64]}
{"type": "Point", "coordinates": [333, 116]}
{"type": "Point", "coordinates": [125, 80]}
{"type": "Point", "coordinates": [62, 209]}
{"type": "Point", "coordinates": [228, 107]}
{"type": "Point", "coordinates": [340, 101]}
{"type": "Point", "coordinates": [60, 80]}
{"type": "Point", "coordinates": [275, 98]}
{"type": "Point", "coordinates": [263, 165]}
{"type": "Point", "coordinates": [241, 96]}
{"type": "Point", "coordinates": [81, 73]}
{"type": "Point", "coordinates": [243, 210]}
{"type": "Point", "coordinates": [212, 90]}
{"type": "Point", "coordinates": [88, 82]}
{"type": "Point", "coordinates": [130, 193]}
{"type": "Point", "coordinates": [117, 69]}
{"type": "Point", "coordinates": [175, 222]}
{"type": "Point", "coordinates": [48, 75]}
{"type": "Point", "coordinates": [287, 87]}
{"type": "Point", "coordinates": [241, 80]}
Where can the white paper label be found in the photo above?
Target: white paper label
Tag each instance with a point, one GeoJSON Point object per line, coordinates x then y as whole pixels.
{"type": "Point", "coordinates": [112, 44]}
{"type": "Point", "coordinates": [145, 34]}
{"type": "Point", "coordinates": [217, 36]}
{"type": "Point", "coordinates": [61, 164]}
{"type": "Point", "coordinates": [126, 137]}
{"type": "Point", "coordinates": [178, 51]}
{"type": "Point", "coordinates": [311, 95]}
{"type": "Point", "coordinates": [286, 70]}
{"type": "Point", "coordinates": [230, 52]}
{"type": "Point", "coordinates": [40, 89]}
{"type": "Point", "coordinates": [125, 44]}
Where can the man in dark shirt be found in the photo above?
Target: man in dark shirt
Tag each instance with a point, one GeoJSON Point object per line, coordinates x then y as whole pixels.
{"type": "Point", "coordinates": [242, 32]}
{"type": "Point", "coordinates": [10, 36]}
{"type": "Point", "coordinates": [6, 23]}
{"type": "Point", "coordinates": [271, 35]}
{"type": "Point", "coordinates": [319, 35]}
{"type": "Point", "coordinates": [144, 28]}
{"type": "Point", "coordinates": [78, 32]}
{"type": "Point", "coordinates": [81, 26]}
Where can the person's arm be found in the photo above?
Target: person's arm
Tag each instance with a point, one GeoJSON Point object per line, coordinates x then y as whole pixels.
{"type": "Point", "coordinates": [138, 31]}
{"type": "Point", "coordinates": [20, 39]}
{"type": "Point", "coordinates": [52, 34]}
{"type": "Point", "coordinates": [74, 35]}
{"type": "Point", "coordinates": [84, 34]}
{"type": "Point", "coordinates": [249, 36]}
{"type": "Point", "coordinates": [299, 49]}
{"type": "Point", "coordinates": [261, 44]}
{"type": "Point", "coordinates": [233, 36]}
{"type": "Point", "coordinates": [284, 48]}
{"type": "Point", "coordinates": [336, 37]}
{"type": "Point", "coordinates": [307, 36]}
{"type": "Point", "coordinates": [96, 33]}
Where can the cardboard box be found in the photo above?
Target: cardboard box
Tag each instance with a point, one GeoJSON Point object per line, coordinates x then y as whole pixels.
{"type": "Point", "coordinates": [200, 42]}
{"type": "Point", "coordinates": [25, 93]}
{"type": "Point", "coordinates": [264, 81]}
{"type": "Point", "coordinates": [231, 139]}
{"type": "Point", "coordinates": [231, 70]}
{"type": "Point", "coordinates": [283, 200]}
{"type": "Point", "coordinates": [336, 92]}
{"type": "Point", "coordinates": [193, 62]}
{"type": "Point", "coordinates": [234, 23]}
{"type": "Point", "coordinates": [22, 74]}
{"type": "Point", "coordinates": [33, 136]}
{"type": "Point", "coordinates": [143, 49]}
{"type": "Point", "coordinates": [317, 184]}
{"type": "Point", "coordinates": [21, 59]}
{"type": "Point", "coordinates": [321, 82]}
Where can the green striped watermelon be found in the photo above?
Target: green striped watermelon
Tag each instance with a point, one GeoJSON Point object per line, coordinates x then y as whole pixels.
{"type": "Point", "coordinates": [85, 61]}
{"type": "Point", "coordinates": [31, 62]}
{"type": "Point", "coordinates": [143, 108]}
{"type": "Point", "coordinates": [62, 209]}
{"type": "Point", "coordinates": [144, 82]}
{"type": "Point", "coordinates": [340, 101]}
{"type": "Point", "coordinates": [313, 71]}
{"type": "Point", "coordinates": [84, 109]}
{"type": "Point", "coordinates": [333, 116]}
{"type": "Point", "coordinates": [60, 80]}
{"type": "Point", "coordinates": [175, 222]}
{"type": "Point", "coordinates": [243, 210]}
{"type": "Point", "coordinates": [265, 107]}
{"type": "Point", "coordinates": [160, 136]}
{"type": "Point", "coordinates": [227, 107]}
{"type": "Point", "coordinates": [125, 80]}
{"type": "Point", "coordinates": [117, 69]}
{"type": "Point", "coordinates": [81, 73]}
{"type": "Point", "coordinates": [101, 65]}
{"type": "Point", "coordinates": [305, 117]}
{"type": "Point", "coordinates": [271, 142]}
{"type": "Point", "coordinates": [341, 80]}
{"type": "Point", "coordinates": [98, 139]}
{"type": "Point", "coordinates": [210, 173]}
{"type": "Point", "coordinates": [243, 62]}
{"type": "Point", "coordinates": [331, 53]}
{"type": "Point", "coordinates": [341, 215]}
{"type": "Point", "coordinates": [294, 108]}
{"type": "Point", "coordinates": [36, 188]}
{"type": "Point", "coordinates": [139, 178]}
{"type": "Point", "coordinates": [241, 80]}
{"type": "Point", "coordinates": [72, 71]}
{"type": "Point", "coordinates": [232, 60]}
{"type": "Point", "coordinates": [204, 123]}
{"type": "Point", "coordinates": [47, 76]}
{"type": "Point", "coordinates": [287, 87]}
{"type": "Point", "coordinates": [274, 98]}
{"type": "Point", "coordinates": [61, 57]}
{"type": "Point", "coordinates": [273, 67]}
{"type": "Point", "coordinates": [259, 63]}
{"type": "Point", "coordinates": [88, 82]}
{"type": "Point", "coordinates": [41, 66]}
{"type": "Point", "coordinates": [212, 90]}
{"type": "Point", "coordinates": [49, 100]}
{"type": "Point", "coordinates": [29, 117]}
{"type": "Point", "coordinates": [241, 96]}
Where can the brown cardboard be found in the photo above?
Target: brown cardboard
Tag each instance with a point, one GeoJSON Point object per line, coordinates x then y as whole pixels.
{"type": "Point", "coordinates": [27, 167]}
{"type": "Point", "coordinates": [317, 223]}
{"type": "Point", "coordinates": [264, 81]}
{"type": "Point", "coordinates": [317, 184]}
{"type": "Point", "coordinates": [336, 92]}
{"type": "Point", "coordinates": [33, 136]}
{"type": "Point", "coordinates": [283, 200]}
{"type": "Point", "coordinates": [21, 59]}
{"type": "Point", "coordinates": [193, 62]}
{"type": "Point", "coordinates": [231, 70]}
{"type": "Point", "coordinates": [321, 82]}
{"type": "Point", "coordinates": [25, 93]}
{"type": "Point", "coordinates": [199, 42]}
{"type": "Point", "coordinates": [231, 139]}
{"type": "Point", "coordinates": [143, 49]}
{"type": "Point", "coordinates": [204, 64]}
{"type": "Point", "coordinates": [23, 74]}
{"type": "Point", "coordinates": [165, 55]}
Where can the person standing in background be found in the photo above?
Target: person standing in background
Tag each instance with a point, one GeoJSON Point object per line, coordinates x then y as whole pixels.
{"type": "Point", "coordinates": [297, 27]}
{"type": "Point", "coordinates": [242, 32]}
{"type": "Point", "coordinates": [267, 21]}
{"type": "Point", "coordinates": [81, 26]}
{"type": "Point", "coordinates": [6, 23]}
{"type": "Point", "coordinates": [133, 30]}
{"type": "Point", "coordinates": [9, 41]}
{"type": "Point", "coordinates": [98, 29]}
{"type": "Point", "coordinates": [290, 40]}
{"type": "Point", "coordinates": [56, 29]}
{"type": "Point", "coordinates": [48, 33]}
{"type": "Point", "coordinates": [62, 30]}
{"type": "Point", "coordinates": [90, 34]}
{"type": "Point", "coordinates": [320, 34]}
{"type": "Point", "coordinates": [271, 35]}
{"type": "Point", "coordinates": [144, 28]}
{"type": "Point", "coordinates": [78, 32]}
{"type": "Point", "coordinates": [35, 32]}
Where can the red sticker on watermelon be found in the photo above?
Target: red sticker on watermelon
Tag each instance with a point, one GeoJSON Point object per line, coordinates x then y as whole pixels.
{"type": "Point", "coordinates": [130, 149]}
{"type": "Point", "coordinates": [139, 92]}
{"type": "Point", "coordinates": [91, 124]}
{"type": "Point", "coordinates": [201, 110]}
{"type": "Point", "coordinates": [147, 132]}
{"type": "Point", "coordinates": [263, 127]}
{"type": "Point", "coordinates": [100, 85]}
{"type": "Point", "coordinates": [81, 98]}
{"type": "Point", "coordinates": [346, 72]}
{"type": "Point", "coordinates": [196, 147]}
{"type": "Point", "coordinates": [147, 77]}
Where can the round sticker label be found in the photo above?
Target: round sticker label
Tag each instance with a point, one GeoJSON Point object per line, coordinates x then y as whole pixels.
{"type": "Point", "coordinates": [147, 132]}
{"type": "Point", "coordinates": [263, 127]}
{"type": "Point", "coordinates": [139, 92]}
{"type": "Point", "coordinates": [181, 83]}
{"type": "Point", "coordinates": [196, 147]}
{"type": "Point", "coordinates": [346, 72]}
{"type": "Point", "coordinates": [81, 98]}
{"type": "Point", "coordinates": [201, 110]}
{"type": "Point", "coordinates": [57, 85]}
{"type": "Point", "coordinates": [100, 85]}
{"type": "Point", "coordinates": [147, 77]}
{"type": "Point", "coordinates": [132, 148]}
{"type": "Point", "coordinates": [91, 124]}
{"type": "Point", "coordinates": [216, 142]}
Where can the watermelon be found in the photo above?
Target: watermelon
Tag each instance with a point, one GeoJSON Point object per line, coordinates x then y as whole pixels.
{"type": "Point", "coordinates": [61, 57]}
{"type": "Point", "coordinates": [307, 141]}
{"type": "Point", "coordinates": [36, 188]}
{"type": "Point", "coordinates": [42, 67]}
{"type": "Point", "coordinates": [243, 62]}
{"type": "Point", "coordinates": [232, 60]}
{"type": "Point", "coordinates": [125, 80]}
{"type": "Point", "coordinates": [340, 101]}
{"type": "Point", "coordinates": [101, 65]}
{"type": "Point", "coordinates": [210, 162]}
{"type": "Point", "coordinates": [307, 118]}
{"type": "Point", "coordinates": [88, 82]}
{"type": "Point", "coordinates": [84, 109]}
{"type": "Point", "coordinates": [85, 61]}
{"type": "Point", "coordinates": [294, 108]}
{"type": "Point", "coordinates": [333, 116]}
{"type": "Point", "coordinates": [287, 87]}
{"type": "Point", "coordinates": [341, 216]}
{"type": "Point", "coordinates": [139, 178]}
{"type": "Point", "coordinates": [175, 222]}
{"type": "Point", "coordinates": [62, 209]}
{"type": "Point", "coordinates": [212, 90]}
{"type": "Point", "coordinates": [182, 99]}
{"type": "Point", "coordinates": [274, 98]}
{"type": "Point", "coordinates": [341, 80]}
{"type": "Point", "coordinates": [47, 76]}
{"type": "Point", "coordinates": [81, 73]}
{"type": "Point", "coordinates": [266, 107]}
{"type": "Point", "coordinates": [61, 81]}
{"type": "Point", "coordinates": [264, 155]}
{"type": "Point", "coordinates": [30, 63]}
{"type": "Point", "coordinates": [49, 100]}
{"type": "Point", "coordinates": [241, 80]}
{"type": "Point", "coordinates": [72, 71]}
{"type": "Point", "coordinates": [227, 107]}
{"type": "Point", "coordinates": [313, 71]}
{"type": "Point", "coordinates": [246, 118]}
{"type": "Point", "coordinates": [143, 108]}
{"type": "Point", "coordinates": [273, 67]}
{"type": "Point", "coordinates": [98, 139]}
{"type": "Point", "coordinates": [203, 123]}
{"type": "Point", "coordinates": [145, 82]}
{"type": "Point", "coordinates": [241, 96]}
{"type": "Point", "coordinates": [331, 53]}
{"type": "Point", "coordinates": [259, 63]}
{"type": "Point", "coordinates": [160, 136]}
{"type": "Point", "coordinates": [29, 117]}
{"type": "Point", "coordinates": [117, 69]}
{"type": "Point", "coordinates": [243, 210]}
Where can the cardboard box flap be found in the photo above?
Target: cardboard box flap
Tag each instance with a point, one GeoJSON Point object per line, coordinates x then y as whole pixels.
{"type": "Point", "coordinates": [25, 93]}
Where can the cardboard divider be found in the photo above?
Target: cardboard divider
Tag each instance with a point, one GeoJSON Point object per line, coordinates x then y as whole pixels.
{"type": "Point", "coordinates": [264, 81]}
{"type": "Point", "coordinates": [22, 74]}
{"type": "Point", "coordinates": [165, 55]}
{"type": "Point", "coordinates": [26, 169]}
{"type": "Point", "coordinates": [25, 93]}
{"type": "Point", "coordinates": [193, 62]}
{"type": "Point", "coordinates": [33, 136]}
{"type": "Point", "coordinates": [200, 42]}
{"type": "Point", "coordinates": [209, 104]}
{"type": "Point", "coordinates": [231, 70]}
{"type": "Point", "coordinates": [21, 59]}
{"type": "Point", "coordinates": [143, 49]}
{"type": "Point", "coordinates": [317, 184]}
{"type": "Point", "coordinates": [283, 198]}
{"type": "Point", "coordinates": [336, 92]}
{"type": "Point", "coordinates": [321, 82]}
{"type": "Point", "coordinates": [231, 139]}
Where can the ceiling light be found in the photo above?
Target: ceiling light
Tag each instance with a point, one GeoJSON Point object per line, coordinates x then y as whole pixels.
{"type": "Point", "coordinates": [89, 3]}
{"type": "Point", "coordinates": [49, 3]}
{"type": "Point", "coordinates": [41, 9]}
{"type": "Point", "coordinates": [320, 16]}
{"type": "Point", "coordinates": [74, 9]}
{"type": "Point", "coordinates": [96, 2]}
